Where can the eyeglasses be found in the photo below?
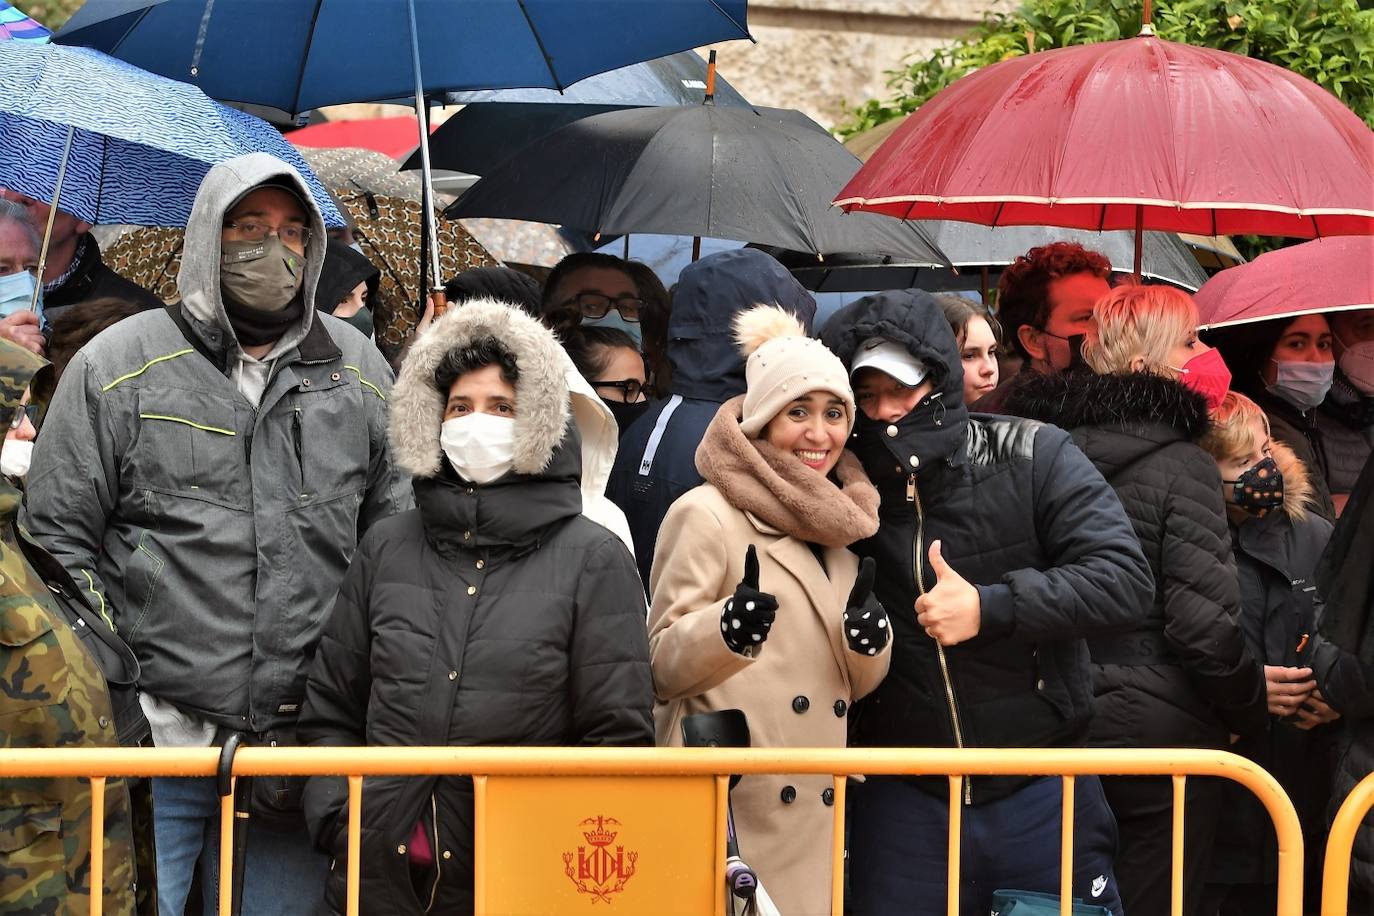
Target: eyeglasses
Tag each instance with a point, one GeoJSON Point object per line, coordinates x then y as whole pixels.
{"type": "Point", "coordinates": [631, 388]}
{"type": "Point", "coordinates": [595, 305]}
{"type": "Point", "coordinates": [24, 410]}
{"type": "Point", "coordinates": [250, 231]}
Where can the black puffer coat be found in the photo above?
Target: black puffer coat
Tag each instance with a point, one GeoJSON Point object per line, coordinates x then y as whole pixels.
{"type": "Point", "coordinates": [1183, 676]}
{"type": "Point", "coordinates": [1276, 558]}
{"type": "Point", "coordinates": [1344, 657]}
{"type": "Point", "coordinates": [1023, 516]}
{"type": "Point", "coordinates": [491, 615]}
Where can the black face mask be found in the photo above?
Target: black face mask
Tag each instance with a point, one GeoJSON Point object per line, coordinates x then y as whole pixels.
{"type": "Point", "coordinates": [1075, 342]}
{"type": "Point", "coordinates": [626, 413]}
{"type": "Point", "coordinates": [362, 320]}
{"type": "Point", "coordinates": [932, 432]}
{"type": "Point", "coordinates": [1258, 489]}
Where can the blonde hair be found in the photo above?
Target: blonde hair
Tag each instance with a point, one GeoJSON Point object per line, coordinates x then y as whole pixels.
{"type": "Point", "coordinates": [1233, 433]}
{"type": "Point", "coordinates": [1138, 321]}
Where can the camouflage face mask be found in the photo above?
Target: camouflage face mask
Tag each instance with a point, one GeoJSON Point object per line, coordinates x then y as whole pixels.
{"type": "Point", "coordinates": [264, 276]}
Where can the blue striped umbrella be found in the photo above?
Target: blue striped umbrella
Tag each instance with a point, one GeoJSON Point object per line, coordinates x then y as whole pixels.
{"type": "Point", "coordinates": [140, 144]}
{"type": "Point", "coordinates": [15, 26]}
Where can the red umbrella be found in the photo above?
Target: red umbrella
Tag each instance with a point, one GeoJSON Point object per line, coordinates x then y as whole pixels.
{"type": "Point", "coordinates": [1137, 133]}
{"type": "Point", "coordinates": [1326, 275]}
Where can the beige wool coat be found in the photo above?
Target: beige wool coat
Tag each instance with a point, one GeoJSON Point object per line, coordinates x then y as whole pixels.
{"type": "Point", "coordinates": [796, 690]}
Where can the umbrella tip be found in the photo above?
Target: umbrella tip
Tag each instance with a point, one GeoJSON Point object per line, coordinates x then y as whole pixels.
{"type": "Point", "coordinates": [1146, 31]}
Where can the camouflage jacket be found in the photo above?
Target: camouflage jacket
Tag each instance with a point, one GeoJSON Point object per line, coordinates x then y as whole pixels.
{"type": "Point", "coordinates": [52, 694]}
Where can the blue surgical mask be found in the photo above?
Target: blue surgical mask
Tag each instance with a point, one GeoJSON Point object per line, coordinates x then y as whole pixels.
{"type": "Point", "coordinates": [1302, 384]}
{"type": "Point", "coordinates": [16, 293]}
{"type": "Point", "coordinates": [612, 319]}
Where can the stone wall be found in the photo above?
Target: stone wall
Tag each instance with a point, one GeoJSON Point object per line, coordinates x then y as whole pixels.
{"type": "Point", "coordinates": [827, 56]}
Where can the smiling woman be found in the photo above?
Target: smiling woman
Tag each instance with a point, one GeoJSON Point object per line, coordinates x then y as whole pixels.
{"type": "Point", "coordinates": [781, 503]}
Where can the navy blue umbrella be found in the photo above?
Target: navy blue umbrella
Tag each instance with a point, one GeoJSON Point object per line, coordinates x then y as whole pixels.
{"type": "Point", "coordinates": [295, 55]}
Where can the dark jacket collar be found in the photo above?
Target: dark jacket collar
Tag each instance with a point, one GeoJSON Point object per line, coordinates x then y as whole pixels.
{"type": "Point", "coordinates": [218, 346]}
{"type": "Point", "coordinates": [514, 511]}
{"type": "Point", "coordinates": [1150, 406]}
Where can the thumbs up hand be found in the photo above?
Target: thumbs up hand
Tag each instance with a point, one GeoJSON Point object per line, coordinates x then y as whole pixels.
{"type": "Point", "coordinates": [866, 628]}
{"type": "Point", "coordinates": [748, 615]}
{"type": "Point", "coordinates": [951, 612]}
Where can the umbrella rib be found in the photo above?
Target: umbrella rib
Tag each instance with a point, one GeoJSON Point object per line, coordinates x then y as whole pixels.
{"type": "Point", "coordinates": [137, 21]}
{"type": "Point", "coordinates": [728, 18]}
{"type": "Point", "coordinates": [305, 59]}
{"type": "Point", "coordinates": [539, 42]}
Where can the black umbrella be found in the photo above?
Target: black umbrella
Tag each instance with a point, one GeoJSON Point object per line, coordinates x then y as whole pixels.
{"type": "Point", "coordinates": [980, 252]}
{"type": "Point", "coordinates": [754, 175]}
{"type": "Point", "coordinates": [480, 137]}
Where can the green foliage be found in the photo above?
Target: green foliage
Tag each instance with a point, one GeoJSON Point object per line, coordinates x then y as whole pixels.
{"type": "Point", "coordinates": [50, 13]}
{"type": "Point", "coordinates": [1331, 42]}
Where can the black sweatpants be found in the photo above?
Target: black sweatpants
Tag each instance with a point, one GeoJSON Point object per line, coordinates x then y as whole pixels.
{"type": "Point", "coordinates": [1144, 809]}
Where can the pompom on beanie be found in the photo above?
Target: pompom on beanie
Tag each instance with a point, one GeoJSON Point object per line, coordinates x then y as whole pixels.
{"type": "Point", "coordinates": [783, 364]}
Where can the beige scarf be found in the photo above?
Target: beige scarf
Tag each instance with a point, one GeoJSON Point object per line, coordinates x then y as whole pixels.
{"type": "Point", "coordinates": [775, 486]}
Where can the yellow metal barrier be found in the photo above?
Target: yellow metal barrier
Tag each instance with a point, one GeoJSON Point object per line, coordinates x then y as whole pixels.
{"type": "Point", "coordinates": [1340, 845]}
{"type": "Point", "coordinates": [508, 781]}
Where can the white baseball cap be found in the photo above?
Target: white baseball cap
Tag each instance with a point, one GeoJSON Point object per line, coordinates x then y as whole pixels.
{"type": "Point", "coordinates": [890, 357]}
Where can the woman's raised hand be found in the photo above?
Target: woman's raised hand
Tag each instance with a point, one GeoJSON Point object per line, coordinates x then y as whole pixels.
{"type": "Point", "coordinates": [748, 615]}
{"type": "Point", "coordinates": [866, 627]}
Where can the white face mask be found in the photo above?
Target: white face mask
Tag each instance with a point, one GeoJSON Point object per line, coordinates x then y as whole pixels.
{"type": "Point", "coordinates": [15, 456]}
{"type": "Point", "coordinates": [479, 445]}
{"type": "Point", "coordinates": [1357, 362]}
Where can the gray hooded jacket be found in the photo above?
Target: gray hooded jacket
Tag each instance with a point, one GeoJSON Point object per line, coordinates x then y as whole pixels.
{"type": "Point", "coordinates": [213, 534]}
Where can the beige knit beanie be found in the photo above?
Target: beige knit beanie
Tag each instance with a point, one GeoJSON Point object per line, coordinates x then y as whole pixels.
{"type": "Point", "coordinates": [784, 364]}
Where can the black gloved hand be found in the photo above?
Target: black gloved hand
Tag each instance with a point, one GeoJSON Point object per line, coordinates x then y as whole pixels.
{"type": "Point", "coordinates": [866, 627]}
{"type": "Point", "coordinates": [748, 615]}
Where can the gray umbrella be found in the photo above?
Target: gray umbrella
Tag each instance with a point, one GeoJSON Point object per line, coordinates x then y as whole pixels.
{"type": "Point", "coordinates": [754, 175]}
{"type": "Point", "coordinates": [678, 79]}
{"type": "Point", "coordinates": [480, 137]}
{"type": "Point", "coordinates": [972, 248]}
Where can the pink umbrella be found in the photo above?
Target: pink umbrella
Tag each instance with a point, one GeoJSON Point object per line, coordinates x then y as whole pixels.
{"type": "Point", "coordinates": [1326, 275]}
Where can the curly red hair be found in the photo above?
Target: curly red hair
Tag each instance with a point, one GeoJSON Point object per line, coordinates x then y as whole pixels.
{"type": "Point", "coordinates": [1023, 290]}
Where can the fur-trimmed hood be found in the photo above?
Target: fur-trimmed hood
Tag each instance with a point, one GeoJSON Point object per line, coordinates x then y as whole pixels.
{"type": "Point", "coordinates": [1134, 400]}
{"type": "Point", "coordinates": [1297, 484]}
{"type": "Point", "coordinates": [541, 392]}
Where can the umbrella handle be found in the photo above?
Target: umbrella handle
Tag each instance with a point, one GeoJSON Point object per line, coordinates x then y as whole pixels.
{"type": "Point", "coordinates": [439, 301]}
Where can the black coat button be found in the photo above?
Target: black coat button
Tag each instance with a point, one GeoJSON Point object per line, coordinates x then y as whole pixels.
{"type": "Point", "coordinates": [840, 708]}
{"type": "Point", "coordinates": [789, 795]}
{"type": "Point", "coordinates": [828, 796]}
{"type": "Point", "coordinates": [800, 704]}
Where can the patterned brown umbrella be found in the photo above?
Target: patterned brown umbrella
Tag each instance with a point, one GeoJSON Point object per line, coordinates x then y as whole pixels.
{"type": "Point", "coordinates": [388, 229]}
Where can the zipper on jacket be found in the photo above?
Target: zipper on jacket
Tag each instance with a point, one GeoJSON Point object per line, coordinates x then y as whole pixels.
{"type": "Point", "coordinates": [297, 440]}
{"type": "Point", "coordinates": [438, 856]}
{"type": "Point", "coordinates": [913, 496]}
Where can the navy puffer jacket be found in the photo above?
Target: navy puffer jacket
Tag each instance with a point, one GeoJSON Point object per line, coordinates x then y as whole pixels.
{"type": "Point", "coordinates": [1024, 517]}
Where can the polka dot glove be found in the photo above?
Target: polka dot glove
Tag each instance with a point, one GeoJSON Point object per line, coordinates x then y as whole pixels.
{"type": "Point", "coordinates": [748, 615]}
{"type": "Point", "coordinates": [866, 627]}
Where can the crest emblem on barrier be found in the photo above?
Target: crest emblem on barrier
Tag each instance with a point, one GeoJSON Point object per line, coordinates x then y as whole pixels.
{"type": "Point", "coordinates": [598, 868]}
